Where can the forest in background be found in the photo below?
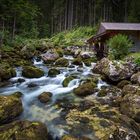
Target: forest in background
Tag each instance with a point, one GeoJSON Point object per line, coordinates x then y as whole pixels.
{"type": "Point", "coordinates": [44, 18]}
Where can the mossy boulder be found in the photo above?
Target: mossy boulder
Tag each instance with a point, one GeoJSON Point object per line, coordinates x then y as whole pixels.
{"type": "Point", "coordinates": [32, 72]}
{"type": "Point", "coordinates": [130, 89]}
{"type": "Point", "coordinates": [135, 78]}
{"type": "Point", "coordinates": [45, 97]}
{"type": "Point", "coordinates": [77, 61]}
{"type": "Point", "coordinates": [53, 72]}
{"type": "Point", "coordinates": [123, 83]}
{"type": "Point", "coordinates": [10, 107]}
{"type": "Point", "coordinates": [130, 106]}
{"type": "Point", "coordinates": [62, 62]}
{"type": "Point", "coordinates": [6, 72]}
{"type": "Point", "coordinates": [23, 130]}
{"type": "Point", "coordinates": [102, 93]}
{"type": "Point", "coordinates": [85, 89]}
{"type": "Point", "coordinates": [68, 137]}
{"type": "Point", "coordinates": [67, 80]}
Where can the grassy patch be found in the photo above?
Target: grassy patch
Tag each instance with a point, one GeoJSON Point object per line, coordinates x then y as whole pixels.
{"type": "Point", "coordinates": [76, 36]}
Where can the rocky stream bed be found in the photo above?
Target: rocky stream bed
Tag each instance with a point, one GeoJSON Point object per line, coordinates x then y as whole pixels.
{"type": "Point", "coordinates": [68, 100]}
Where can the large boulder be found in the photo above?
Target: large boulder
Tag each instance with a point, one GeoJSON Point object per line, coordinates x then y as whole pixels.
{"type": "Point", "coordinates": [23, 130]}
{"type": "Point", "coordinates": [53, 72]}
{"type": "Point", "coordinates": [113, 70]}
{"type": "Point", "coordinates": [45, 97]}
{"type": "Point", "coordinates": [85, 89]}
{"type": "Point", "coordinates": [62, 62]}
{"type": "Point", "coordinates": [6, 72]}
{"type": "Point", "coordinates": [10, 107]}
{"type": "Point", "coordinates": [32, 72]}
{"type": "Point", "coordinates": [50, 57]}
{"type": "Point", "coordinates": [130, 105]}
{"type": "Point", "coordinates": [136, 78]}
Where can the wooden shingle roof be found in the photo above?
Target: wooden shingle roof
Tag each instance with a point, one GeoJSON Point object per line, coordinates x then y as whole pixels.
{"type": "Point", "coordinates": [118, 26]}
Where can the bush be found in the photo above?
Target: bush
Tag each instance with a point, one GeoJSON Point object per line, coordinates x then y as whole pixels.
{"type": "Point", "coordinates": [119, 46]}
{"type": "Point", "coordinates": [137, 61]}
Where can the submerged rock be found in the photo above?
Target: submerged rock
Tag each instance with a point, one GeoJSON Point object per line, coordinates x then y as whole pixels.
{"type": "Point", "coordinates": [32, 72]}
{"type": "Point", "coordinates": [23, 130]}
{"type": "Point", "coordinates": [10, 107]}
{"type": "Point", "coordinates": [53, 72]}
{"type": "Point", "coordinates": [113, 70]}
{"type": "Point", "coordinates": [62, 62]}
{"type": "Point", "coordinates": [45, 97]}
{"type": "Point", "coordinates": [85, 89]}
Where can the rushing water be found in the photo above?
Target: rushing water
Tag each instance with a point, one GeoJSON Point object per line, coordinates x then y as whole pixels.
{"type": "Point", "coordinates": [48, 113]}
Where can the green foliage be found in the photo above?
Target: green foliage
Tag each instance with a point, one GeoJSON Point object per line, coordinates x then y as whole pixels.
{"type": "Point", "coordinates": [137, 61]}
{"type": "Point", "coordinates": [76, 36]}
{"type": "Point", "coordinates": [119, 46]}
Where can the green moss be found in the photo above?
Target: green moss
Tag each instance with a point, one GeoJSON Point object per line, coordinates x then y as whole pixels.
{"type": "Point", "coordinates": [67, 81]}
{"type": "Point", "coordinates": [53, 72]}
{"type": "Point", "coordinates": [62, 62]}
{"type": "Point", "coordinates": [32, 72]}
{"type": "Point", "coordinates": [85, 89]}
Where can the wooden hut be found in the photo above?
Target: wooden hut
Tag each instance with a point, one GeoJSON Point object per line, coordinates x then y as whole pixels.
{"type": "Point", "coordinates": [108, 30]}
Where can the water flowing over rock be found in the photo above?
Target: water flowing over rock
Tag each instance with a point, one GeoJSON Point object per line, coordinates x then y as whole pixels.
{"type": "Point", "coordinates": [23, 130]}
{"type": "Point", "coordinates": [10, 107]}
{"type": "Point", "coordinates": [113, 70]}
{"type": "Point", "coordinates": [50, 57]}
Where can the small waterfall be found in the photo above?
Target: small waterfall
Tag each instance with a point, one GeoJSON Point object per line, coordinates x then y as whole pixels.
{"type": "Point", "coordinates": [101, 83]}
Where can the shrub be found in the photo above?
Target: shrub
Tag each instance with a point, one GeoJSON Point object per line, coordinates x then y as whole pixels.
{"type": "Point", "coordinates": [137, 61]}
{"type": "Point", "coordinates": [119, 46]}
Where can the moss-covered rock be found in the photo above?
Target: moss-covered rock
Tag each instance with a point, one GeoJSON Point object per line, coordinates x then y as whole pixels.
{"type": "Point", "coordinates": [68, 137]}
{"type": "Point", "coordinates": [67, 80]}
{"type": "Point", "coordinates": [130, 106]}
{"type": "Point", "coordinates": [23, 130]}
{"type": "Point", "coordinates": [10, 107]}
{"type": "Point", "coordinates": [32, 72]}
{"type": "Point", "coordinates": [53, 72]}
{"type": "Point", "coordinates": [45, 97]}
{"type": "Point", "coordinates": [136, 78]}
{"type": "Point", "coordinates": [77, 61]}
{"type": "Point", "coordinates": [6, 72]}
{"type": "Point", "coordinates": [62, 62]}
{"type": "Point", "coordinates": [123, 83]}
{"type": "Point", "coordinates": [85, 89]}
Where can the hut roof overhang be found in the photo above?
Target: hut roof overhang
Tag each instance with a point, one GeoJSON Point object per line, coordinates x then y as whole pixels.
{"type": "Point", "coordinates": [106, 28]}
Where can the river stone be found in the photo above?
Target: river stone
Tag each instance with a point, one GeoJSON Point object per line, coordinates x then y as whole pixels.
{"type": "Point", "coordinates": [85, 89]}
{"type": "Point", "coordinates": [130, 89]}
{"type": "Point", "coordinates": [45, 97]}
{"type": "Point", "coordinates": [50, 56]}
{"type": "Point", "coordinates": [6, 72]}
{"type": "Point", "coordinates": [32, 72]}
{"type": "Point", "coordinates": [67, 80]}
{"type": "Point", "coordinates": [136, 78]}
{"type": "Point", "coordinates": [23, 130]}
{"type": "Point", "coordinates": [53, 72]}
{"type": "Point", "coordinates": [62, 62]}
{"type": "Point", "coordinates": [77, 61]}
{"type": "Point", "coordinates": [123, 83]}
{"type": "Point", "coordinates": [68, 137]}
{"type": "Point", "coordinates": [114, 71]}
{"type": "Point", "coordinates": [130, 106]}
{"type": "Point", "coordinates": [10, 107]}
